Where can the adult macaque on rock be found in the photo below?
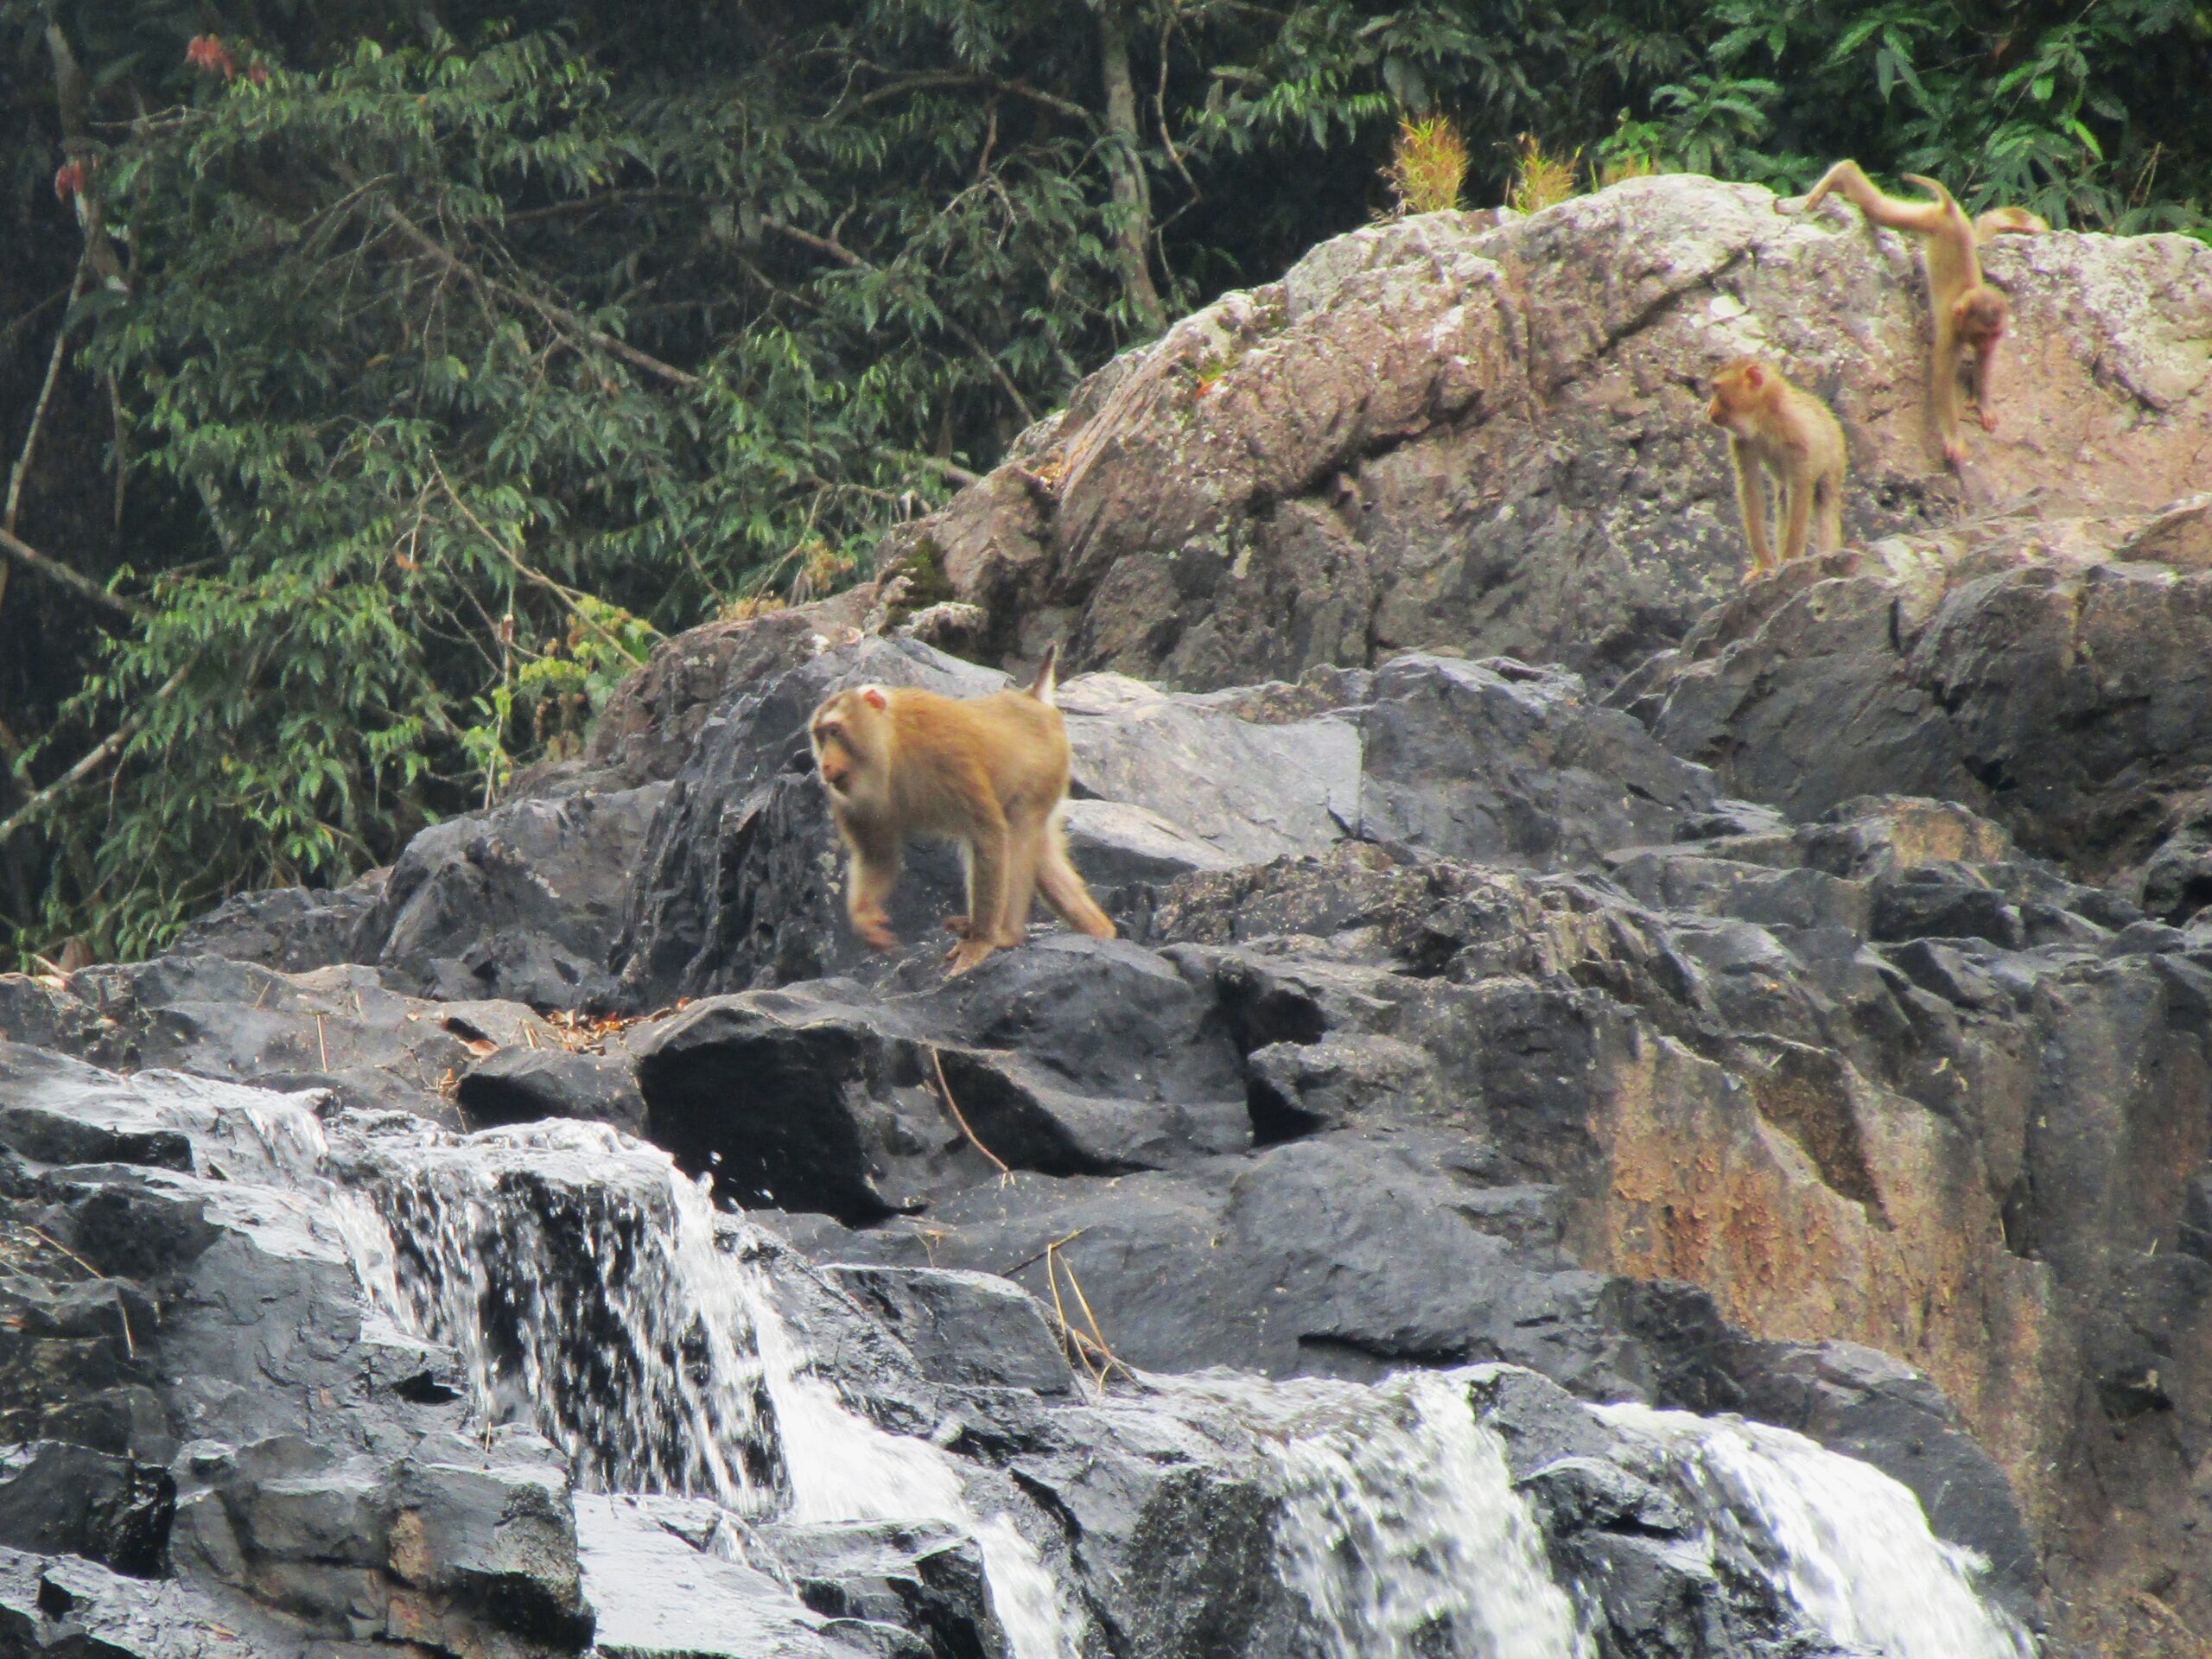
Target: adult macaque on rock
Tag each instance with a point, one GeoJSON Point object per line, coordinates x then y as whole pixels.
{"type": "Point", "coordinates": [989, 772]}
{"type": "Point", "coordinates": [1775, 429]}
{"type": "Point", "coordinates": [1970, 316]}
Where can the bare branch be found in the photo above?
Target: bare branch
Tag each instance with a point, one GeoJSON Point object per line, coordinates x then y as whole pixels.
{"type": "Point", "coordinates": [105, 751]}
{"type": "Point", "coordinates": [559, 315]}
{"type": "Point", "coordinates": [53, 571]}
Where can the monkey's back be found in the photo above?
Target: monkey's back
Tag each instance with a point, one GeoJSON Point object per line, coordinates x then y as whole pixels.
{"type": "Point", "coordinates": [1006, 742]}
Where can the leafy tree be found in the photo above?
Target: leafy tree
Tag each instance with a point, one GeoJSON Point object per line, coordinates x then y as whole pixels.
{"type": "Point", "coordinates": [384, 382]}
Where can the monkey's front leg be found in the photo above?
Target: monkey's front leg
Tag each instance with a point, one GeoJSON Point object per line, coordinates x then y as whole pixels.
{"type": "Point", "coordinates": [874, 873]}
{"type": "Point", "coordinates": [986, 860]}
{"type": "Point", "coordinates": [1751, 504]}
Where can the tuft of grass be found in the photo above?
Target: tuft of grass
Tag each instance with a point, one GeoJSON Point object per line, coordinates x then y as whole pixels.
{"type": "Point", "coordinates": [1615, 168]}
{"type": "Point", "coordinates": [1428, 165]}
{"type": "Point", "coordinates": [1541, 180]}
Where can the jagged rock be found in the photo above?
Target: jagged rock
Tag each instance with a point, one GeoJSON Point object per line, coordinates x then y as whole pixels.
{"type": "Point", "coordinates": [335, 1028]}
{"type": "Point", "coordinates": [295, 930]}
{"type": "Point", "coordinates": [517, 1085]}
{"type": "Point", "coordinates": [58, 1498]}
{"type": "Point", "coordinates": [657, 1597]}
{"type": "Point", "coordinates": [895, 1576]}
{"type": "Point", "coordinates": [649, 726]}
{"type": "Point", "coordinates": [1500, 763]}
{"type": "Point", "coordinates": [1071, 1055]}
{"type": "Point", "coordinates": [972, 1329]}
{"type": "Point", "coordinates": [65, 1606]}
{"type": "Point", "coordinates": [2048, 684]}
{"type": "Point", "coordinates": [1250, 791]}
{"type": "Point", "coordinates": [520, 902]}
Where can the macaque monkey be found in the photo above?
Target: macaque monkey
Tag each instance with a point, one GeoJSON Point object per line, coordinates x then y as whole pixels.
{"type": "Point", "coordinates": [2007, 221]}
{"type": "Point", "coordinates": [1773, 428]}
{"type": "Point", "coordinates": [1970, 316]}
{"type": "Point", "coordinates": [986, 771]}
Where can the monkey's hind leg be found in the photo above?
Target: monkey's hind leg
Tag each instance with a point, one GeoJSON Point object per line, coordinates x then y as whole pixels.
{"type": "Point", "coordinates": [1063, 889]}
{"type": "Point", "coordinates": [1025, 853]}
{"type": "Point", "coordinates": [1827, 533]}
{"type": "Point", "coordinates": [1798, 517]}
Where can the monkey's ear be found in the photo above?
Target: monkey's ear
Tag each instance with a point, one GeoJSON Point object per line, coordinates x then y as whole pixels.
{"type": "Point", "coordinates": [875, 697]}
{"type": "Point", "coordinates": [1754, 375]}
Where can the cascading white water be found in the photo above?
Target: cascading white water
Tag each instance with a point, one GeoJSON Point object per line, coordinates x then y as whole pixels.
{"type": "Point", "coordinates": [1838, 1537]}
{"type": "Point", "coordinates": [1401, 1530]}
{"type": "Point", "coordinates": [584, 1282]}
{"type": "Point", "coordinates": [580, 1277]}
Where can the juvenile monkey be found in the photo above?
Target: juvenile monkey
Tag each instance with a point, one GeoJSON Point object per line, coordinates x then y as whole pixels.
{"type": "Point", "coordinates": [1773, 428]}
{"type": "Point", "coordinates": [2007, 221]}
{"type": "Point", "coordinates": [1970, 316]}
{"type": "Point", "coordinates": [986, 771]}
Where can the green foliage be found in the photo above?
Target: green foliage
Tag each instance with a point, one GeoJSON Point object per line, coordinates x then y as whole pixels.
{"type": "Point", "coordinates": [447, 369]}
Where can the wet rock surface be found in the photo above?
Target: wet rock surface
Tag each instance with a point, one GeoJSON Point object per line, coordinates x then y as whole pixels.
{"type": "Point", "coordinates": [1796, 1007]}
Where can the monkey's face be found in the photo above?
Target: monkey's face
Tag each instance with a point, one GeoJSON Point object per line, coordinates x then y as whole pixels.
{"type": "Point", "coordinates": [847, 737]}
{"type": "Point", "coordinates": [1982, 318]}
{"type": "Point", "coordinates": [1737, 392]}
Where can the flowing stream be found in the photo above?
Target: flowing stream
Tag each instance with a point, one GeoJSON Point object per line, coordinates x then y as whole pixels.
{"type": "Point", "coordinates": [593, 1293]}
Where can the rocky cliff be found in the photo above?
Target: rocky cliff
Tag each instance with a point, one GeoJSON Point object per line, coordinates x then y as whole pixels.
{"type": "Point", "coordinates": [1685, 1113]}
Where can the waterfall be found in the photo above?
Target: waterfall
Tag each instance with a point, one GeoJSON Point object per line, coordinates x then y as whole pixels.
{"type": "Point", "coordinates": [1847, 1545]}
{"type": "Point", "coordinates": [1401, 1533]}
{"type": "Point", "coordinates": [592, 1292]}
{"type": "Point", "coordinates": [581, 1280]}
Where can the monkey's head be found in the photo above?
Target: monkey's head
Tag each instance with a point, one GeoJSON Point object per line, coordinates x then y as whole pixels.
{"type": "Point", "coordinates": [1742, 388]}
{"type": "Point", "coordinates": [1980, 317]}
{"type": "Point", "coordinates": [849, 735]}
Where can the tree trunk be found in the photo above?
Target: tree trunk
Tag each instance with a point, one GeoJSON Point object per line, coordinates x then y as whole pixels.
{"type": "Point", "coordinates": [1125, 161]}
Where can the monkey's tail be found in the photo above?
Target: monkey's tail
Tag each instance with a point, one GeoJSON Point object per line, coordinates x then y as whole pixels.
{"type": "Point", "coordinates": [1941, 196]}
{"type": "Point", "coordinates": [1045, 687]}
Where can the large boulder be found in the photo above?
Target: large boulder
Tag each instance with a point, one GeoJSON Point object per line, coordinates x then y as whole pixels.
{"type": "Point", "coordinates": [1451, 430]}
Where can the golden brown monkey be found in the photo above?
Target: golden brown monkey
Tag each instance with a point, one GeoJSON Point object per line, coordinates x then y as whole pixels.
{"type": "Point", "coordinates": [1970, 316]}
{"type": "Point", "coordinates": [986, 771]}
{"type": "Point", "coordinates": [2007, 221]}
{"type": "Point", "coordinates": [1773, 428]}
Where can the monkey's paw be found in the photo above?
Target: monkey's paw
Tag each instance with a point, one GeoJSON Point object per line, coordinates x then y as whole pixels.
{"type": "Point", "coordinates": [877, 935]}
{"type": "Point", "coordinates": [1954, 453]}
{"type": "Point", "coordinates": [1988, 421]}
{"type": "Point", "coordinates": [966, 955]}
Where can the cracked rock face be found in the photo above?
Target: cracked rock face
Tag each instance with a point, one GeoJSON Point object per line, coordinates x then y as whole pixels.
{"type": "Point", "coordinates": [1443, 432]}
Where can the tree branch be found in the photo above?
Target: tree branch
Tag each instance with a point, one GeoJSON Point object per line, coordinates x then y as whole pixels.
{"type": "Point", "coordinates": [53, 571]}
{"type": "Point", "coordinates": [105, 751]}
{"type": "Point", "coordinates": [960, 331]}
{"type": "Point", "coordinates": [559, 315]}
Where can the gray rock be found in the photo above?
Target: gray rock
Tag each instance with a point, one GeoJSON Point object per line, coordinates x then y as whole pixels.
{"type": "Point", "coordinates": [657, 1597]}
{"type": "Point", "coordinates": [971, 1329]}
{"type": "Point", "coordinates": [521, 902]}
{"type": "Point", "coordinates": [295, 930]}
{"type": "Point", "coordinates": [57, 1498]}
{"type": "Point", "coordinates": [520, 1086]}
{"type": "Point", "coordinates": [1504, 764]}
